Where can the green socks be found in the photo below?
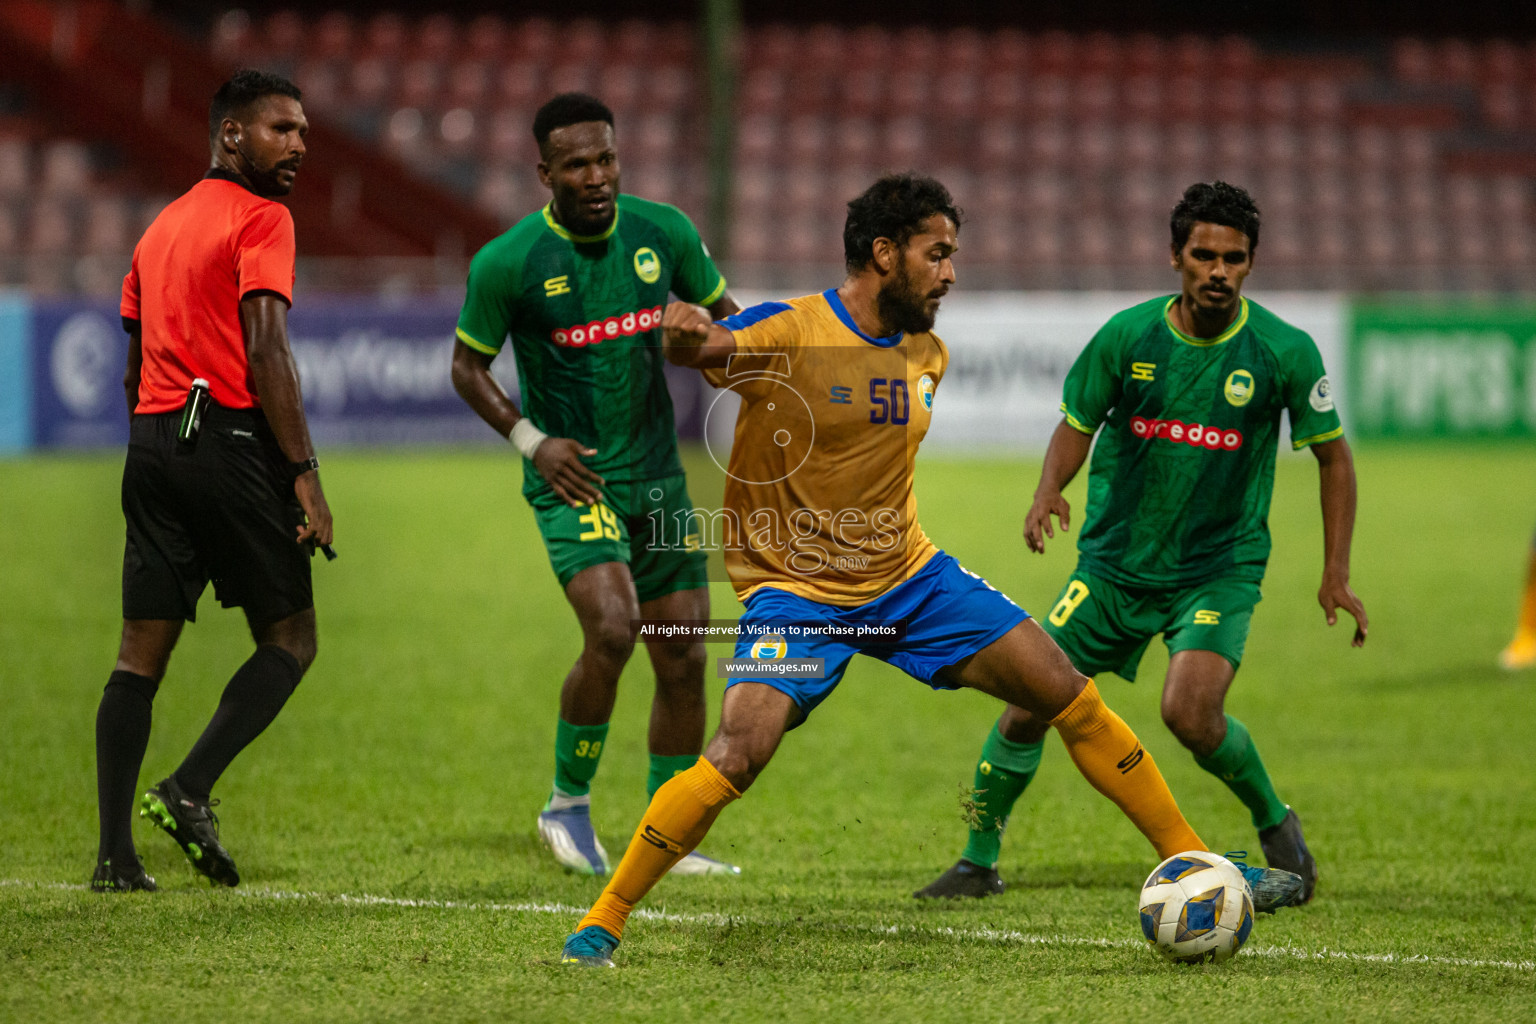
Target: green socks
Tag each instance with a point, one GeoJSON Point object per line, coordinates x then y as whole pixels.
{"type": "Point", "coordinates": [577, 749]}
{"type": "Point", "coordinates": [663, 767]}
{"type": "Point", "coordinates": [1003, 772]}
{"type": "Point", "coordinates": [1237, 763]}
{"type": "Point", "coordinates": [1006, 768]}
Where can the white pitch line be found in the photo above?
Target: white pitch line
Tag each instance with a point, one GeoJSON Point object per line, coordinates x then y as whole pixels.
{"type": "Point", "coordinates": [994, 935]}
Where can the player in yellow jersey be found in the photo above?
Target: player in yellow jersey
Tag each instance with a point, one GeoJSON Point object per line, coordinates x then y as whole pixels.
{"type": "Point", "coordinates": [1521, 652]}
{"type": "Point", "coordinates": [837, 390]}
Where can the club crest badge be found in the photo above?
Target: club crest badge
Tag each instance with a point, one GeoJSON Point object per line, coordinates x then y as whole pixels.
{"type": "Point", "coordinates": [1239, 388]}
{"type": "Point", "coordinates": [770, 646]}
{"type": "Point", "coordinates": [925, 388]}
{"type": "Point", "coordinates": [647, 265]}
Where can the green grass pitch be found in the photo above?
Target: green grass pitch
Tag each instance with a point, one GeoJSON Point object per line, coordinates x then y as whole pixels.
{"type": "Point", "coordinates": [384, 825]}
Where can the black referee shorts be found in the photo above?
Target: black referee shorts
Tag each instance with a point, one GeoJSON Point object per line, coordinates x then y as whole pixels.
{"type": "Point", "coordinates": [220, 509]}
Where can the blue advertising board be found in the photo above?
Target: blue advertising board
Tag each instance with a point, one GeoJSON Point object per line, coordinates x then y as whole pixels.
{"type": "Point", "coordinates": [372, 373]}
{"type": "Point", "coordinates": [79, 353]}
{"type": "Point", "coordinates": [379, 374]}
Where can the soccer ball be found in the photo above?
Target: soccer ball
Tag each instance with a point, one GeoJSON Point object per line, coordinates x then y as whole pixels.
{"type": "Point", "coordinates": [1196, 908]}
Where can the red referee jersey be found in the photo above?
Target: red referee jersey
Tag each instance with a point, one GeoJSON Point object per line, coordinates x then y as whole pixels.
{"type": "Point", "coordinates": [202, 255]}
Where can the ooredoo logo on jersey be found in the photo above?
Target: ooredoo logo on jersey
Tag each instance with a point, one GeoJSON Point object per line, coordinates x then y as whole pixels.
{"type": "Point", "coordinates": [1195, 435]}
{"type": "Point", "coordinates": [614, 327]}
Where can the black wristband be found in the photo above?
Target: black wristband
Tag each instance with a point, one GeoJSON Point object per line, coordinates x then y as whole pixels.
{"type": "Point", "coordinates": [298, 469]}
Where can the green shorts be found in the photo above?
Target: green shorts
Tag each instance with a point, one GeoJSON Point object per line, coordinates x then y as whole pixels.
{"type": "Point", "coordinates": [637, 523]}
{"type": "Point", "coordinates": [1105, 627]}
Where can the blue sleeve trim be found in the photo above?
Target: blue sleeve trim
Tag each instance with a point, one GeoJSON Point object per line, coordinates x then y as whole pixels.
{"type": "Point", "coordinates": [846, 317]}
{"type": "Point", "coordinates": [753, 315]}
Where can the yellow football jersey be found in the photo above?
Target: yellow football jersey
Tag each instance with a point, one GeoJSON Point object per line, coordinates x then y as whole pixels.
{"type": "Point", "coordinates": [819, 488]}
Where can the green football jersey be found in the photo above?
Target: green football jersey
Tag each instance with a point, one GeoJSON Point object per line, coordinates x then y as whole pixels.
{"type": "Point", "coordinates": [1182, 473]}
{"type": "Point", "coordinates": [584, 316]}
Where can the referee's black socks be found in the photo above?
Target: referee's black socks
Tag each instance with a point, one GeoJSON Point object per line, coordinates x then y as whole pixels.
{"type": "Point", "coordinates": [122, 733]}
{"type": "Point", "coordinates": [254, 696]}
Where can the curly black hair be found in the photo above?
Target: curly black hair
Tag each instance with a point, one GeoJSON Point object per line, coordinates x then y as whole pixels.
{"type": "Point", "coordinates": [245, 88]}
{"type": "Point", "coordinates": [567, 109]}
{"type": "Point", "coordinates": [1215, 202]}
{"type": "Point", "coordinates": [893, 207]}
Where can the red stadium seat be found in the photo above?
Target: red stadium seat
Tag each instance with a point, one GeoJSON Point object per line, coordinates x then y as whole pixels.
{"type": "Point", "coordinates": [284, 33]}
{"type": "Point", "coordinates": [386, 35]}
{"type": "Point", "coordinates": [322, 82]}
{"type": "Point", "coordinates": [51, 231]}
{"type": "Point", "coordinates": [469, 82]}
{"type": "Point", "coordinates": [65, 168]}
{"type": "Point", "coordinates": [370, 82]}
{"type": "Point", "coordinates": [15, 166]}
{"type": "Point", "coordinates": [333, 36]}
{"type": "Point", "coordinates": [623, 86]}
{"type": "Point", "coordinates": [107, 227]}
{"type": "Point", "coordinates": [437, 37]}
{"type": "Point", "coordinates": [486, 38]}
{"type": "Point", "coordinates": [419, 83]}
{"type": "Point", "coordinates": [231, 36]}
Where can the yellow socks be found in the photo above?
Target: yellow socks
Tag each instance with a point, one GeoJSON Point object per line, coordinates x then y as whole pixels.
{"type": "Point", "coordinates": [1110, 757]}
{"type": "Point", "coordinates": [680, 814]}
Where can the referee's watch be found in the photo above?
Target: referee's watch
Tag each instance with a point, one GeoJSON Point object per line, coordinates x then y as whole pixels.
{"type": "Point", "coordinates": [298, 469]}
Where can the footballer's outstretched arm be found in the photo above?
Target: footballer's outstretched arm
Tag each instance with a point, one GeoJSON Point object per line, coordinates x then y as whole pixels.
{"type": "Point", "coordinates": [1336, 484]}
{"type": "Point", "coordinates": [690, 336]}
{"type": "Point", "coordinates": [558, 459]}
{"type": "Point", "coordinates": [1065, 456]}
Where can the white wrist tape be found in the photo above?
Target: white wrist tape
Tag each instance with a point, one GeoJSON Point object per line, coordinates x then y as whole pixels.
{"type": "Point", "coordinates": [526, 437]}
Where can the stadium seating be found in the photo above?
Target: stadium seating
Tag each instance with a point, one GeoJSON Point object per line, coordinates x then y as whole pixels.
{"type": "Point", "coordinates": [68, 219]}
{"type": "Point", "coordinates": [1401, 167]}
{"type": "Point", "coordinates": [1067, 149]}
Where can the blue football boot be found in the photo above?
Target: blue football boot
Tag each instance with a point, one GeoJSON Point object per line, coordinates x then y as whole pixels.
{"type": "Point", "coordinates": [1271, 887]}
{"type": "Point", "coordinates": [591, 947]}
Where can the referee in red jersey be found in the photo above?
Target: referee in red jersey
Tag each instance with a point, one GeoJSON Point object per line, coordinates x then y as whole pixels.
{"type": "Point", "coordinates": [221, 481]}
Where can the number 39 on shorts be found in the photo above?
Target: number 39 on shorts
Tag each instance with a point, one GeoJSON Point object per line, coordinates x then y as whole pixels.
{"type": "Point", "coordinates": [602, 521]}
{"type": "Point", "coordinates": [1077, 591]}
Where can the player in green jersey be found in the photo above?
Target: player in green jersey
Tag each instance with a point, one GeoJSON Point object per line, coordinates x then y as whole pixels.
{"type": "Point", "coordinates": [580, 287]}
{"type": "Point", "coordinates": [1185, 394]}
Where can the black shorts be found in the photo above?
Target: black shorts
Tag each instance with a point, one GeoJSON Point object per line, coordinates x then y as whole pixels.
{"type": "Point", "coordinates": [222, 508]}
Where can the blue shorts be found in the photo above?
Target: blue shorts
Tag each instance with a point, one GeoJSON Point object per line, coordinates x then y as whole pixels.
{"type": "Point", "coordinates": [949, 613]}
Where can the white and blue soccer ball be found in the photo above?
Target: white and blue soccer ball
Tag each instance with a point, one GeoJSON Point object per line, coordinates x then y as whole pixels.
{"type": "Point", "coordinates": [1196, 908]}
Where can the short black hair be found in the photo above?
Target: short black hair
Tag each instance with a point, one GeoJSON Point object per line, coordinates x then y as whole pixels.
{"type": "Point", "coordinates": [1215, 202]}
{"type": "Point", "coordinates": [565, 110]}
{"type": "Point", "coordinates": [893, 207]}
{"type": "Point", "coordinates": [236, 95]}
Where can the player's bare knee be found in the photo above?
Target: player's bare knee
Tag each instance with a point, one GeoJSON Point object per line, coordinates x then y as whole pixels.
{"type": "Point", "coordinates": [296, 635]}
{"type": "Point", "coordinates": [1018, 726]}
{"type": "Point", "coordinates": [610, 639]}
{"type": "Point", "coordinates": [303, 649]}
{"type": "Point", "coordinates": [305, 652]}
{"type": "Point", "coordinates": [1196, 730]}
{"type": "Point", "coordinates": [680, 668]}
{"type": "Point", "coordinates": [1052, 695]}
{"type": "Point", "coordinates": [735, 763]}
{"type": "Point", "coordinates": [681, 693]}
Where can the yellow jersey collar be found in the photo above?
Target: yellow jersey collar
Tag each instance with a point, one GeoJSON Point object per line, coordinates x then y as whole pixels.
{"type": "Point", "coordinates": [1237, 325]}
{"type": "Point", "coordinates": [555, 226]}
